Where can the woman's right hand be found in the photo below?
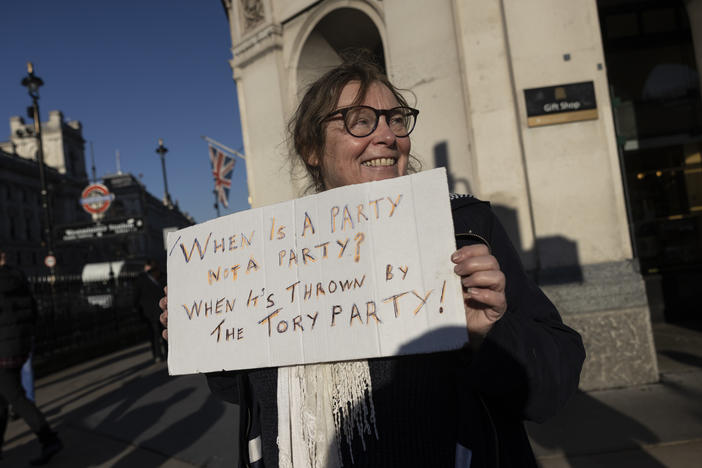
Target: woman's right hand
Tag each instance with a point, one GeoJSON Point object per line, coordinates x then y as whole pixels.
{"type": "Point", "coordinates": [163, 304]}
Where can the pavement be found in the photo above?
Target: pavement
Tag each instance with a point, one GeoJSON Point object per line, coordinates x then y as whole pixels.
{"type": "Point", "coordinates": [648, 426]}
{"type": "Point", "coordinates": [122, 410]}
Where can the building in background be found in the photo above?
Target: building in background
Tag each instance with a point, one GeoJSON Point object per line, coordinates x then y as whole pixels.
{"type": "Point", "coordinates": [130, 229]}
{"type": "Point", "coordinates": [102, 232]}
{"type": "Point", "coordinates": [20, 200]}
{"type": "Point", "coordinates": [136, 220]}
{"type": "Point", "coordinates": [516, 102]}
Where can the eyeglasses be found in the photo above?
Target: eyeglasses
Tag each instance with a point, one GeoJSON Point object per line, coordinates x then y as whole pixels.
{"type": "Point", "coordinates": [361, 121]}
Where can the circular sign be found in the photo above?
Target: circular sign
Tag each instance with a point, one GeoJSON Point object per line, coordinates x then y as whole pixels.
{"type": "Point", "coordinates": [50, 261]}
{"type": "Point", "coordinates": [96, 198]}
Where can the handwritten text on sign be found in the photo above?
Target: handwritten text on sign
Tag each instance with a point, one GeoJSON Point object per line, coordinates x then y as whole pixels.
{"type": "Point", "coordinates": [356, 272]}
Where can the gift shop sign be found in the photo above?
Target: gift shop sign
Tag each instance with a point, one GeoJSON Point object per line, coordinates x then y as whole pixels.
{"type": "Point", "coordinates": [565, 103]}
{"type": "Point", "coordinates": [351, 273]}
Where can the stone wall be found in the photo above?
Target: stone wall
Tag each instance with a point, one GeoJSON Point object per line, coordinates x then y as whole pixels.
{"type": "Point", "coordinates": [607, 304]}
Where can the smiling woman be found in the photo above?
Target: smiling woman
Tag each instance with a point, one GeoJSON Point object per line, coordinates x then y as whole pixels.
{"type": "Point", "coordinates": [353, 126]}
{"type": "Point", "coordinates": [349, 159]}
{"type": "Point", "coordinates": [461, 408]}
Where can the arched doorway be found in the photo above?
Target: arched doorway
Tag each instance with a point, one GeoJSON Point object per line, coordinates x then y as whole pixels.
{"type": "Point", "coordinates": [339, 30]}
{"type": "Point", "coordinates": [655, 90]}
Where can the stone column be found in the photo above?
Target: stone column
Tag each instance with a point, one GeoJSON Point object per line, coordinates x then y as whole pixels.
{"type": "Point", "coordinates": [423, 57]}
{"type": "Point", "coordinates": [261, 82]}
{"type": "Point", "coordinates": [582, 238]}
{"type": "Point", "coordinates": [492, 112]}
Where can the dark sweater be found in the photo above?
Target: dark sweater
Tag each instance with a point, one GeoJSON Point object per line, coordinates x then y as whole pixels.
{"type": "Point", "coordinates": [527, 367]}
{"type": "Point", "coordinates": [17, 315]}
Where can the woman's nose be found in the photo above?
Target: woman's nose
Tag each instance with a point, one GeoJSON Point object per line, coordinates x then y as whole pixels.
{"type": "Point", "coordinates": [383, 133]}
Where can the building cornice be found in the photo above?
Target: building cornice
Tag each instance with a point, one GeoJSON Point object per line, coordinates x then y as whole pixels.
{"type": "Point", "coordinates": [261, 42]}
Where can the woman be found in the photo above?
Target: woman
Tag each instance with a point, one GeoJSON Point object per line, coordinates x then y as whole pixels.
{"type": "Point", "coordinates": [461, 408]}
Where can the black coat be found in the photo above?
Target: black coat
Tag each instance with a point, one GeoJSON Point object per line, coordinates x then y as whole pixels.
{"type": "Point", "coordinates": [527, 367]}
{"type": "Point", "coordinates": [17, 313]}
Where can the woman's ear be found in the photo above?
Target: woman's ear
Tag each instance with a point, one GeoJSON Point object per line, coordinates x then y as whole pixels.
{"type": "Point", "coordinates": [313, 159]}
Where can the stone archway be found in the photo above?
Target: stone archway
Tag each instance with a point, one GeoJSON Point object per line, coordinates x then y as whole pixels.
{"type": "Point", "coordinates": [340, 29]}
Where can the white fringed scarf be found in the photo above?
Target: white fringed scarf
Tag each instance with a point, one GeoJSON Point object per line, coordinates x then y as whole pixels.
{"type": "Point", "coordinates": [316, 403]}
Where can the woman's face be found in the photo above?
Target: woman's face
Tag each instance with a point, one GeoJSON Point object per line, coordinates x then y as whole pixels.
{"type": "Point", "coordinates": [350, 160]}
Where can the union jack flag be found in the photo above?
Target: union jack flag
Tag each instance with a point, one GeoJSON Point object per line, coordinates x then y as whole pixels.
{"type": "Point", "coordinates": [222, 170]}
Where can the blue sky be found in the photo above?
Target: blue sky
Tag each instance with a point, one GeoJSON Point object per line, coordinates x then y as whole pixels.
{"type": "Point", "coordinates": [131, 72]}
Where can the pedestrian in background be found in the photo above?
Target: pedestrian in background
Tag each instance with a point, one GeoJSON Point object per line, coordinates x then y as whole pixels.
{"type": "Point", "coordinates": [27, 374]}
{"type": "Point", "coordinates": [148, 290]}
{"type": "Point", "coordinates": [18, 314]}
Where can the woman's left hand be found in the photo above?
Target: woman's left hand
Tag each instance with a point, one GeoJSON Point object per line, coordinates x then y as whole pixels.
{"type": "Point", "coordinates": [483, 287]}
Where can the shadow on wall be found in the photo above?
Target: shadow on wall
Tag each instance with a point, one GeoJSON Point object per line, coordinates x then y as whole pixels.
{"type": "Point", "coordinates": [563, 260]}
{"type": "Point", "coordinates": [559, 261]}
{"type": "Point", "coordinates": [461, 185]}
{"type": "Point", "coordinates": [558, 255]}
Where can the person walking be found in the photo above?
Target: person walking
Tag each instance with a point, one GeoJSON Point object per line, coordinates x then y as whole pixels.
{"type": "Point", "coordinates": [148, 290]}
{"type": "Point", "coordinates": [17, 320]}
{"type": "Point", "coordinates": [27, 377]}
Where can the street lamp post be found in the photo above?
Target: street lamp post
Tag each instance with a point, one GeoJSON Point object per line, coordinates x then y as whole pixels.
{"type": "Point", "coordinates": [162, 150]}
{"type": "Point", "coordinates": [32, 83]}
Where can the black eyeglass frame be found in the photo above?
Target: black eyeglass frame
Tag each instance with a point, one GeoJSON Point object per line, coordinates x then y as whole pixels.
{"type": "Point", "coordinates": [378, 112]}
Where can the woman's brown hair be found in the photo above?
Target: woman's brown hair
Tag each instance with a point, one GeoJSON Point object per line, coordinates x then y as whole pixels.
{"type": "Point", "coordinates": [306, 127]}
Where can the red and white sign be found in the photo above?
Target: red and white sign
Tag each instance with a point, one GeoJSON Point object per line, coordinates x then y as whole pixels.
{"type": "Point", "coordinates": [96, 198]}
{"type": "Point", "coordinates": [50, 261]}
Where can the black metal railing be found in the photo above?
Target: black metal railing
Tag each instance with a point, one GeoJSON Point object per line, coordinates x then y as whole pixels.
{"type": "Point", "coordinates": [80, 320]}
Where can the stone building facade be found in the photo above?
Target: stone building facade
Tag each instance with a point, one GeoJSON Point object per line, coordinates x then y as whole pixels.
{"type": "Point", "coordinates": [21, 216]}
{"type": "Point", "coordinates": [20, 200]}
{"type": "Point", "coordinates": [132, 200]}
{"type": "Point", "coordinates": [63, 144]}
{"type": "Point", "coordinates": [561, 190]}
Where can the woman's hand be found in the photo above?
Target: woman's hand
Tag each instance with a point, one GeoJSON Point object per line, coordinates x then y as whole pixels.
{"type": "Point", "coordinates": [483, 287]}
{"type": "Point", "coordinates": [163, 304]}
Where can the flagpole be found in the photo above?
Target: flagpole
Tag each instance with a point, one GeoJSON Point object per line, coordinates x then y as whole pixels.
{"type": "Point", "coordinates": [216, 205]}
{"type": "Point", "coordinates": [225, 148]}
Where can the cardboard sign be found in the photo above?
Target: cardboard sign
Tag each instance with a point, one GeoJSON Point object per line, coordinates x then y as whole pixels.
{"type": "Point", "coordinates": [355, 272]}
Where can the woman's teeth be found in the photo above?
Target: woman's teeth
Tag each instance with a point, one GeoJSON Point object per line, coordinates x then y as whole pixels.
{"type": "Point", "coordinates": [379, 162]}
